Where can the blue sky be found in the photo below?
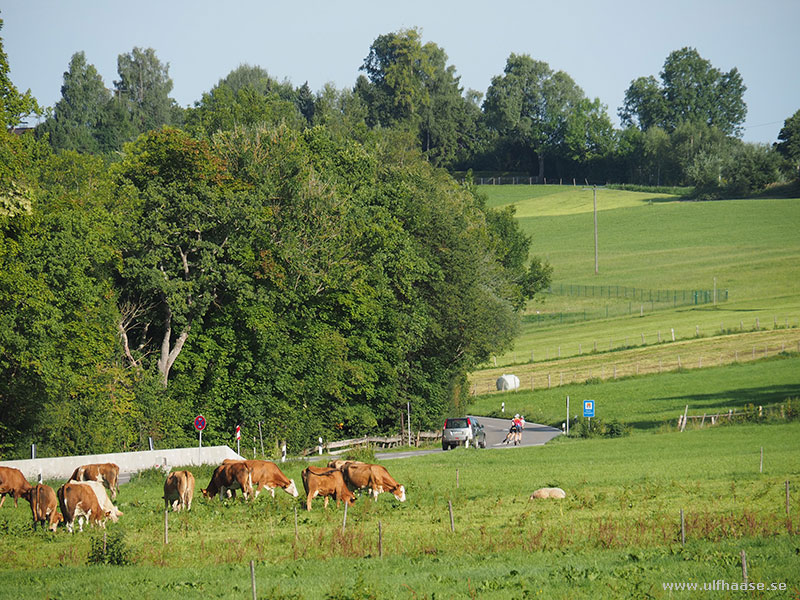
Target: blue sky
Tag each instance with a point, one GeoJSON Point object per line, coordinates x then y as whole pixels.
{"type": "Point", "coordinates": [603, 46]}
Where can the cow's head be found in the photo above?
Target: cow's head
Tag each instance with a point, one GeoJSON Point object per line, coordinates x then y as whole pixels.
{"type": "Point", "coordinates": [56, 520]}
{"type": "Point", "coordinates": [400, 493]}
{"type": "Point", "coordinates": [205, 493]}
{"type": "Point", "coordinates": [291, 489]}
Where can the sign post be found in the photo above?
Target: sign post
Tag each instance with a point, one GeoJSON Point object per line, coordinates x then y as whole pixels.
{"type": "Point", "coordinates": [588, 410]}
{"type": "Point", "coordinates": [200, 424]}
{"type": "Point", "coordinates": [238, 437]}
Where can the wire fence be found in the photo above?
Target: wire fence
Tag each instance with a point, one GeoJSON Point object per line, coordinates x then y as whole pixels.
{"type": "Point", "coordinates": [639, 301]}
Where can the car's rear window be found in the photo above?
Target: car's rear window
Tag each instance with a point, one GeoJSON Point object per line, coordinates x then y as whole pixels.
{"type": "Point", "coordinates": [456, 424]}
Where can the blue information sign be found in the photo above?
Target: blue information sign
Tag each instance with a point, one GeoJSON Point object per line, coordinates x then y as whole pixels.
{"type": "Point", "coordinates": [588, 408]}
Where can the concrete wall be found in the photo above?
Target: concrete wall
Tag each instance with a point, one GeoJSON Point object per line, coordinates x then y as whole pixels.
{"type": "Point", "coordinates": [129, 462]}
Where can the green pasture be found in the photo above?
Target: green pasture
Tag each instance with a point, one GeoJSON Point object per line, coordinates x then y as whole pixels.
{"type": "Point", "coordinates": [653, 402]}
{"type": "Point", "coordinates": [652, 241]}
{"type": "Point", "coordinates": [616, 535]}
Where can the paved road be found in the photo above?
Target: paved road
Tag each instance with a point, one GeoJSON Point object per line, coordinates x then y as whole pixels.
{"type": "Point", "coordinates": [534, 434]}
{"type": "Point", "coordinates": [496, 429]}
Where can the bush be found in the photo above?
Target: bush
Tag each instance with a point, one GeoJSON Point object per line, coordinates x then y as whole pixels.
{"type": "Point", "coordinates": [111, 549]}
{"type": "Point", "coordinates": [596, 427]}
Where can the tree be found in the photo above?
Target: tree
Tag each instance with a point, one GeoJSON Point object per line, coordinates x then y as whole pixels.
{"type": "Point", "coordinates": [14, 107]}
{"type": "Point", "coordinates": [789, 141]}
{"type": "Point", "coordinates": [410, 85]}
{"type": "Point", "coordinates": [76, 116]}
{"type": "Point", "coordinates": [531, 104]}
{"type": "Point", "coordinates": [248, 96]}
{"type": "Point", "coordinates": [181, 221]}
{"type": "Point", "coordinates": [60, 385]}
{"type": "Point", "coordinates": [144, 86]}
{"type": "Point", "coordinates": [691, 90]}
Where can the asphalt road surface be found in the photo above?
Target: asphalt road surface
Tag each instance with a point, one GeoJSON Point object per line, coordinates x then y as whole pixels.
{"type": "Point", "coordinates": [496, 430]}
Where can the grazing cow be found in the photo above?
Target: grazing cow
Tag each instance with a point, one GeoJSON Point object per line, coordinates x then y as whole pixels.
{"type": "Point", "coordinates": [105, 504]}
{"type": "Point", "coordinates": [44, 506]}
{"type": "Point", "coordinates": [548, 492]}
{"type": "Point", "coordinates": [340, 464]}
{"type": "Point", "coordinates": [233, 476]}
{"type": "Point", "coordinates": [266, 474]}
{"type": "Point", "coordinates": [179, 490]}
{"type": "Point", "coordinates": [12, 483]}
{"type": "Point", "coordinates": [325, 483]}
{"type": "Point", "coordinates": [105, 473]}
{"type": "Point", "coordinates": [375, 478]}
{"type": "Point", "coordinates": [78, 501]}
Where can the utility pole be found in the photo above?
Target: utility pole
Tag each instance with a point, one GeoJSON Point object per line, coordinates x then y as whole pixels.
{"type": "Point", "coordinates": [595, 231]}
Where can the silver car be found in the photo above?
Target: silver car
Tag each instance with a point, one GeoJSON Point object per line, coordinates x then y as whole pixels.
{"type": "Point", "coordinates": [462, 431]}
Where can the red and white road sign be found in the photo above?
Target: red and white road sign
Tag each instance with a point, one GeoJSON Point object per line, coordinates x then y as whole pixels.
{"type": "Point", "coordinates": [238, 432]}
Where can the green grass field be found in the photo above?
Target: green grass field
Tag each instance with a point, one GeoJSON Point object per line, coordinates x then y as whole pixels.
{"type": "Point", "coordinates": [616, 535]}
{"type": "Point", "coordinates": [655, 242]}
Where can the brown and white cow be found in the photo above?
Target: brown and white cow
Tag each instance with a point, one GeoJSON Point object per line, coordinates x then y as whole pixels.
{"type": "Point", "coordinates": [231, 476]}
{"type": "Point", "coordinates": [341, 464]}
{"type": "Point", "coordinates": [105, 473]}
{"type": "Point", "coordinates": [12, 483]}
{"type": "Point", "coordinates": [375, 478]}
{"type": "Point", "coordinates": [326, 483]}
{"type": "Point", "coordinates": [266, 474]}
{"type": "Point", "coordinates": [78, 501]}
{"type": "Point", "coordinates": [44, 506]}
{"type": "Point", "coordinates": [179, 490]}
{"type": "Point", "coordinates": [99, 491]}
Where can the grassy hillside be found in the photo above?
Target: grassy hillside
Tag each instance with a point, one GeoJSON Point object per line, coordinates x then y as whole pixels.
{"type": "Point", "coordinates": [656, 242]}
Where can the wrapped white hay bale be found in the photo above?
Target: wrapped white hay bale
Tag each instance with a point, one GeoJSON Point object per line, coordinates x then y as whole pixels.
{"type": "Point", "coordinates": [548, 493]}
{"type": "Point", "coordinates": [507, 382]}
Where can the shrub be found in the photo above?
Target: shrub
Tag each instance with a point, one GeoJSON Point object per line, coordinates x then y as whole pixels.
{"type": "Point", "coordinates": [111, 549]}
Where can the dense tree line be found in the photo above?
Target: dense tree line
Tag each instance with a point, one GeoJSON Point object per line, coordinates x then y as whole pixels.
{"type": "Point", "coordinates": [296, 260]}
{"type": "Point", "coordinates": [681, 128]}
{"type": "Point", "coordinates": [253, 260]}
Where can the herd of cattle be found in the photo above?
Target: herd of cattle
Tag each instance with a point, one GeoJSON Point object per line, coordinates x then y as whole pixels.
{"type": "Point", "coordinates": [84, 497]}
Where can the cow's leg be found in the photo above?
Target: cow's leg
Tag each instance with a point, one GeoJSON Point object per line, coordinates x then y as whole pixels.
{"type": "Point", "coordinates": [2, 499]}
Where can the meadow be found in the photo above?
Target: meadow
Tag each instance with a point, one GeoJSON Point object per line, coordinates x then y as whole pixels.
{"type": "Point", "coordinates": [617, 534]}
{"type": "Point", "coordinates": [657, 242]}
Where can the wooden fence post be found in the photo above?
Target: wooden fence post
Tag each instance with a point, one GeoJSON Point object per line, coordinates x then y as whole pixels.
{"type": "Point", "coordinates": [761, 464]}
{"type": "Point", "coordinates": [166, 526]}
{"type": "Point", "coordinates": [253, 579]}
{"type": "Point", "coordinates": [683, 530]}
{"type": "Point", "coordinates": [344, 520]}
{"type": "Point", "coordinates": [452, 523]}
{"type": "Point", "coordinates": [744, 567]}
{"type": "Point", "coordinates": [380, 540]}
{"type": "Point", "coordinates": [787, 498]}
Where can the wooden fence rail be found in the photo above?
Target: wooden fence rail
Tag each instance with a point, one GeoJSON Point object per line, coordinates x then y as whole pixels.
{"type": "Point", "coordinates": [342, 446]}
